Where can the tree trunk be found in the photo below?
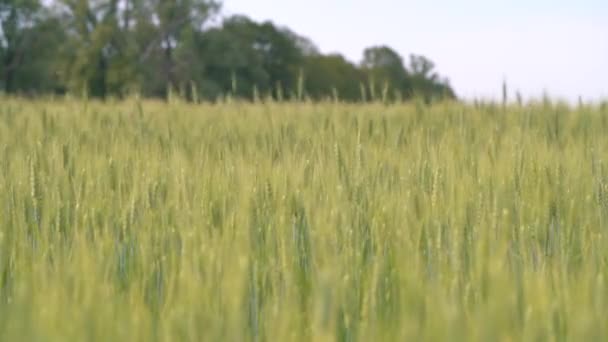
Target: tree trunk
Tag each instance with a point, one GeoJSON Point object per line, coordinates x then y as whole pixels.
{"type": "Point", "coordinates": [8, 76]}
{"type": "Point", "coordinates": [169, 77]}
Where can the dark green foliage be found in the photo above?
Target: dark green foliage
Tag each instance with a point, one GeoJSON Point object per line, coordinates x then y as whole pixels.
{"type": "Point", "coordinates": [156, 48]}
{"type": "Point", "coordinates": [243, 54]}
{"type": "Point", "coordinates": [329, 74]}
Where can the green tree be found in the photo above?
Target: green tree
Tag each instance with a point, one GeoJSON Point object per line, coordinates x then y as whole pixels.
{"type": "Point", "coordinates": [384, 68]}
{"type": "Point", "coordinates": [231, 64]}
{"type": "Point", "coordinates": [426, 82]}
{"type": "Point", "coordinates": [170, 45]}
{"type": "Point", "coordinates": [98, 55]}
{"type": "Point", "coordinates": [332, 75]}
{"type": "Point", "coordinates": [27, 37]}
{"type": "Point", "coordinates": [243, 54]}
{"type": "Point", "coordinates": [115, 46]}
{"type": "Point", "coordinates": [15, 17]}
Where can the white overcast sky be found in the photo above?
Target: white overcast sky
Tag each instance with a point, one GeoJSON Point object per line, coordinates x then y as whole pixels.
{"type": "Point", "coordinates": [558, 46]}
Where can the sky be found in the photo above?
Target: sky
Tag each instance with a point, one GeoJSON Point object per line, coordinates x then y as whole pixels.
{"type": "Point", "coordinates": [558, 48]}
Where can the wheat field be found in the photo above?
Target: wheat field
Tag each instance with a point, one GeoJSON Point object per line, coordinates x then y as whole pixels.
{"type": "Point", "coordinates": [150, 221]}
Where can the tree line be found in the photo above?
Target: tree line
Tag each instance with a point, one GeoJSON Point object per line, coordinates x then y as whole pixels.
{"type": "Point", "coordinates": [103, 48]}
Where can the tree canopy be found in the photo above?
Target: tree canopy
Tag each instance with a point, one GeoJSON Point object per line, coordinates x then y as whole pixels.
{"type": "Point", "coordinates": [151, 47]}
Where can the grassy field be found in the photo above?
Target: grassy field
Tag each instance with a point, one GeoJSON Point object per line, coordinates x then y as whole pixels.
{"type": "Point", "coordinates": [151, 221]}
